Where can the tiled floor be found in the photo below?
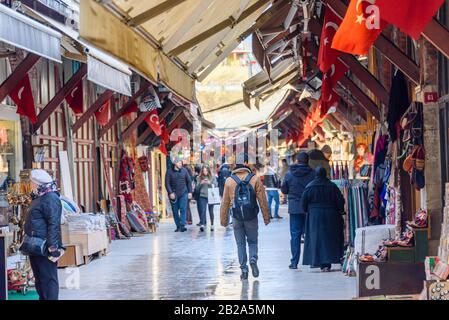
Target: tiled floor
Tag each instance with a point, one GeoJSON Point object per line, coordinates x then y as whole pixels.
{"type": "Point", "coordinates": [194, 265]}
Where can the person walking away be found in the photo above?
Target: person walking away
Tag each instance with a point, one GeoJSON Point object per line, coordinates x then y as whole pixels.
{"type": "Point", "coordinates": [204, 181]}
{"type": "Point", "coordinates": [282, 173]}
{"type": "Point", "coordinates": [224, 172]}
{"type": "Point", "coordinates": [324, 204]}
{"type": "Point", "coordinates": [192, 177]}
{"type": "Point", "coordinates": [179, 188]}
{"type": "Point", "coordinates": [318, 159]}
{"type": "Point", "coordinates": [244, 192]}
{"type": "Point", "coordinates": [296, 180]}
{"type": "Point", "coordinates": [271, 183]}
{"type": "Point", "coordinates": [44, 221]}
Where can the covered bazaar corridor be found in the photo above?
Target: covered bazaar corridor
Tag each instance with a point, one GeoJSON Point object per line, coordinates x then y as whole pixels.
{"type": "Point", "coordinates": [195, 265]}
{"type": "Point", "coordinates": [113, 113]}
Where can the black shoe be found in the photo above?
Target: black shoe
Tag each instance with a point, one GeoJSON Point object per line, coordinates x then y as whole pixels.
{"type": "Point", "coordinates": [244, 275]}
{"type": "Point", "coordinates": [279, 217]}
{"type": "Point", "coordinates": [177, 230]}
{"type": "Point", "coordinates": [183, 229]}
{"type": "Point", "coordinates": [293, 267]}
{"type": "Point", "coordinates": [202, 228]}
{"type": "Point", "coordinates": [198, 224]}
{"type": "Point", "coordinates": [254, 268]}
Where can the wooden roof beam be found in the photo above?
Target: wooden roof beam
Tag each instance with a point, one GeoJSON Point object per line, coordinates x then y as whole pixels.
{"type": "Point", "coordinates": [361, 96]}
{"type": "Point", "coordinates": [133, 125]}
{"type": "Point", "coordinates": [143, 87]}
{"type": "Point", "coordinates": [17, 75]}
{"type": "Point", "coordinates": [363, 74]}
{"type": "Point", "coordinates": [101, 100]}
{"type": "Point", "coordinates": [153, 12]}
{"type": "Point", "coordinates": [60, 96]}
{"type": "Point", "coordinates": [229, 22]}
{"type": "Point", "coordinates": [437, 35]}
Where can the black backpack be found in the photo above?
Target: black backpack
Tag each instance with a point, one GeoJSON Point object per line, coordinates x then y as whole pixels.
{"type": "Point", "coordinates": [245, 202]}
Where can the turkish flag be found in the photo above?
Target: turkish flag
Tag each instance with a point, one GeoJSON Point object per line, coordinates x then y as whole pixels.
{"type": "Point", "coordinates": [164, 132]}
{"type": "Point", "coordinates": [153, 121]}
{"type": "Point", "coordinates": [327, 56]}
{"type": "Point", "coordinates": [411, 16]}
{"type": "Point", "coordinates": [163, 148]}
{"type": "Point", "coordinates": [131, 108]}
{"type": "Point", "coordinates": [102, 115]}
{"type": "Point", "coordinates": [325, 105]}
{"type": "Point", "coordinates": [75, 98]}
{"type": "Point", "coordinates": [360, 27]}
{"type": "Point", "coordinates": [330, 79]}
{"type": "Point", "coordinates": [23, 98]}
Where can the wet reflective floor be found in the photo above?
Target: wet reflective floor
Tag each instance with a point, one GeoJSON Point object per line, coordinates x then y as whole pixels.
{"type": "Point", "coordinates": [204, 265]}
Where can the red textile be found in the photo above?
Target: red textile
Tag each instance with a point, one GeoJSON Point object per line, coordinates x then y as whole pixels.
{"type": "Point", "coordinates": [75, 98]}
{"type": "Point", "coordinates": [411, 16]}
{"type": "Point", "coordinates": [328, 56]}
{"type": "Point", "coordinates": [359, 29]}
{"type": "Point", "coordinates": [153, 121]}
{"type": "Point", "coordinates": [23, 98]}
{"type": "Point", "coordinates": [102, 115]}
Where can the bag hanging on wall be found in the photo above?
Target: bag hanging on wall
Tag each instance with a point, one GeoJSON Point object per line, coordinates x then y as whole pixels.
{"type": "Point", "coordinates": [213, 196]}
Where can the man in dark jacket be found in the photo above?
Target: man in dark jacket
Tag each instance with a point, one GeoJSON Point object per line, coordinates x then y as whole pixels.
{"type": "Point", "coordinates": [179, 187]}
{"type": "Point", "coordinates": [224, 172]}
{"type": "Point", "coordinates": [296, 180]}
{"type": "Point", "coordinates": [44, 221]}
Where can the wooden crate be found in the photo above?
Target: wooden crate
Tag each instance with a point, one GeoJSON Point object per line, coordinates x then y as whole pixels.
{"type": "Point", "coordinates": [401, 254]}
{"type": "Point", "coordinates": [73, 256]}
{"type": "Point", "coordinates": [92, 242]}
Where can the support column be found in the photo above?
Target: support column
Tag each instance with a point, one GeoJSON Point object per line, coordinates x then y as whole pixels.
{"type": "Point", "coordinates": [431, 195]}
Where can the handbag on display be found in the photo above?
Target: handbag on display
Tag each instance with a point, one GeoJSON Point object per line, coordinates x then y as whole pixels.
{"type": "Point", "coordinates": [33, 246]}
{"type": "Point", "coordinates": [213, 196]}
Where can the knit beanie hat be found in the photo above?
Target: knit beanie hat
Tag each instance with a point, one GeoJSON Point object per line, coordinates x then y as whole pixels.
{"type": "Point", "coordinates": [302, 157]}
{"type": "Point", "coordinates": [40, 177]}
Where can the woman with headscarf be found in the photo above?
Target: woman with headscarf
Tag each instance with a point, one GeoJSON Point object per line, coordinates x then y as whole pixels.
{"type": "Point", "coordinates": [324, 205]}
{"type": "Point", "coordinates": [43, 221]}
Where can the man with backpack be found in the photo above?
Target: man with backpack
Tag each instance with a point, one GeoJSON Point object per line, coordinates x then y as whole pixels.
{"type": "Point", "coordinates": [244, 193]}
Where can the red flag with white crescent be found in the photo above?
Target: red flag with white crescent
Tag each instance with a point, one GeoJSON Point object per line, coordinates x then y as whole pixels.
{"type": "Point", "coordinates": [330, 79]}
{"type": "Point", "coordinates": [22, 95]}
{"type": "Point", "coordinates": [75, 98]}
{"type": "Point", "coordinates": [102, 114]}
{"type": "Point", "coordinates": [411, 16]}
{"type": "Point", "coordinates": [165, 136]}
{"type": "Point", "coordinates": [153, 121]}
{"type": "Point", "coordinates": [360, 28]}
{"type": "Point", "coordinates": [131, 108]}
{"type": "Point", "coordinates": [328, 56]}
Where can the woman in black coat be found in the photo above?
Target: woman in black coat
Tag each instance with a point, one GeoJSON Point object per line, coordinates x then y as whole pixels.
{"type": "Point", "coordinates": [44, 221]}
{"type": "Point", "coordinates": [324, 205]}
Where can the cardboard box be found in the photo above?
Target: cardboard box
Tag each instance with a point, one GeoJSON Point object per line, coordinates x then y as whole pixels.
{"type": "Point", "coordinates": [73, 256]}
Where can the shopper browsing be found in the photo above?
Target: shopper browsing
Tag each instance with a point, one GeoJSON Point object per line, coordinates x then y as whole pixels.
{"type": "Point", "coordinates": [204, 181]}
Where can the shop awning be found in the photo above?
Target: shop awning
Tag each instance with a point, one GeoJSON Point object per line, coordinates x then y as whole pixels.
{"type": "Point", "coordinates": [20, 31]}
{"type": "Point", "coordinates": [171, 41]}
{"type": "Point", "coordinates": [102, 68]}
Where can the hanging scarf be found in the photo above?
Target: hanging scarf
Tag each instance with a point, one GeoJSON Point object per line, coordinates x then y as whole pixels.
{"type": "Point", "coordinates": [44, 189]}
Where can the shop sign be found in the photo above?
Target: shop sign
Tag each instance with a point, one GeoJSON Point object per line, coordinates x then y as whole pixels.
{"type": "Point", "coordinates": [430, 97]}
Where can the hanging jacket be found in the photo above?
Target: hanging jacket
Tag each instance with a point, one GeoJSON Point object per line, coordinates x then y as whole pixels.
{"type": "Point", "coordinates": [296, 180]}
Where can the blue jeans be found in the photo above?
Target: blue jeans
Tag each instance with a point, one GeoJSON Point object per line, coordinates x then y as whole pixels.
{"type": "Point", "coordinates": [202, 208]}
{"type": "Point", "coordinates": [179, 207]}
{"type": "Point", "coordinates": [297, 226]}
{"type": "Point", "coordinates": [273, 195]}
{"type": "Point", "coordinates": [246, 231]}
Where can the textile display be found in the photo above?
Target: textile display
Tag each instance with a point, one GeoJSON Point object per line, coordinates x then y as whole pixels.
{"type": "Point", "coordinates": [357, 207]}
{"type": "Point", "coordinates": [140, 193]}
{"type": "Point", "coordinates": [135, 223]}
{"type": "Point", "coordinates": [126, 175]}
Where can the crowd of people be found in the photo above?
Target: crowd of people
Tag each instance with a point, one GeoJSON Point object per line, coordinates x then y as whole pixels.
{"type": "Point", "coordinates": [315, 205]}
